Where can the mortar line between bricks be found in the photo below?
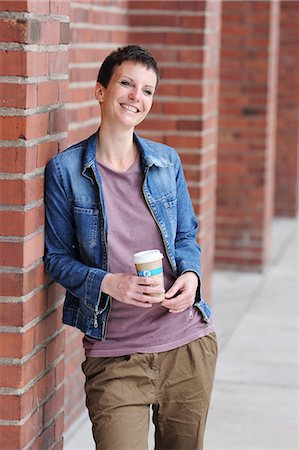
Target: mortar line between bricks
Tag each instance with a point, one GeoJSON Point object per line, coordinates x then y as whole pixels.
{"type": "Point", "coordinates": [21, 391]}
{"type": "Point", "coordinates": [182, 47]}
{"type": "Point", "coordinates": [20, 112]}
{"type": "Point", "coordinates": [176, 98]}
{"type": "Point", "coordinates": [184, 117]}
{"type": "Point", "coordinates": [22, 239]}
{"type": "Point", "coordinates": [203, 166]}
{"type": "Point", "coordinates": [136, 28]}
{"type": "Point", "coordinates": [24, 329]}
{"type": "Point", "coordinates": [95, 45]}
{"type": "Point", "coordinates": [37, 348]}
{"type": "Point", "coordinates": [201, 183]}
{"type": "Point", "coordinates": [60, 440]}
{"type": "Point", "coordinates": [44, 428]}
{"type": "Point", "coordinates": [86, 104]}
{"type": "Point", "coordinates": [34, 16]}
{"type": "Point", "coordinates": [5, 299]}
{"type": "Point", "coordinates": [197, 151]}
{"type": "Point", "coordinates": [112, 9]}
{"type": "Point", "coordinates": [137, 12]}
{"type": "Point", "coordinates": [83, 124]}
{"type": "Point", "coordinates": [201, 82]}
{"type": "Point", "coordinates": [35, 48]}
{"type": "Point", "coordinates": [99, 46]}
{"type": "Point", "coordinates": [153, 29]}
{"type": "Point", "coordinates": [22, 176]}
{"type": "Point", "coordinates": [21, 270]}
{"type": "Point", "coordinates": [183, 133]}
{"type": "Point", "coordinates": [33, 142]}
{"type": "Point", "coordinates": [14, 79]}
{"type": "Point", "coordinates": [118, 10]}
{"type": "Point", "coordinates": [7, 422]}
{"type": "Point", "coordinates": [182, 64]}
{"type": "Point", "coordinates": [23, 208]}
{"type": "Point", "coordinates": [94, 26]}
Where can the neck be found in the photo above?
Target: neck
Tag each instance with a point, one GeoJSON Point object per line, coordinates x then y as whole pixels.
{"type": "Point", "coordinates": [117, 149]}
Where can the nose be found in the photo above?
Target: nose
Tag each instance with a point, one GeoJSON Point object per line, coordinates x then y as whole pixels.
{"type": "Point", "coordinates": [135, 94]}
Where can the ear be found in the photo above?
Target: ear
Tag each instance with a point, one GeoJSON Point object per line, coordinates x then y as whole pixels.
{"type": "Point", "coordinates": [99, 92]}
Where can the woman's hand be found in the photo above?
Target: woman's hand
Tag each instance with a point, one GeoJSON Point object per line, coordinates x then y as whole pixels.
{"type": "Point", "coordinates": [182, 293]}
{"type": "Point", "coordinates": [132, 290]}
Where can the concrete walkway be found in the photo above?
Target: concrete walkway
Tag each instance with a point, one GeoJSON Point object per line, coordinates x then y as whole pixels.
{"type": "Point", "coordinates": [255, 399]}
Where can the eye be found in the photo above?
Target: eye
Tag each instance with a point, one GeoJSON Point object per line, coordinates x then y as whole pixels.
{"type": "Point", "coordinates": [147, 92]}
{"type": "Point", "coordinates": [125, 83]}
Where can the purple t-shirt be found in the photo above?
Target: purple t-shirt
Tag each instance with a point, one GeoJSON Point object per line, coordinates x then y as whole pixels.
{"type": "Point", "coordinates": [131, 229]}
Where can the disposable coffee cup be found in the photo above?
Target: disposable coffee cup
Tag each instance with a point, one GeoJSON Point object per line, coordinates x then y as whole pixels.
{"type": "Point", "coordinates": [149, 264]}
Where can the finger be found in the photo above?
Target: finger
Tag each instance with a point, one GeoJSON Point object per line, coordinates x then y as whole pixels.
{"type": "Point", "coordinates": [180, 307]}
{"type": "Point", "coordinates": [177, 300]}
{"type": "Point", "coordinates": [176, 307]}
{"type": "Point", "coordinates": [147, 281]}
{"type": "Point", "coordinates": [174, 289]}
{"type": "Point", "coordinates": [153, 290]}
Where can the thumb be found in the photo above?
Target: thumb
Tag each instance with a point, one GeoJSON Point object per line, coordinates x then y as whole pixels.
{"type": "Point", "coordinates": [174, 288]}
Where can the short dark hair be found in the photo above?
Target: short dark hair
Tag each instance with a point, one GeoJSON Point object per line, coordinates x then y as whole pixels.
{"type": "Point", "coordinates": [133, 53]}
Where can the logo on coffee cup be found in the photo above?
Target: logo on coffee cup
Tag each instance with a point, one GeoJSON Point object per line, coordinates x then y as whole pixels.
{"type": "Point", "coordinates": [150, 273]}
{"type": "Point", "coordinates": [147, 273]}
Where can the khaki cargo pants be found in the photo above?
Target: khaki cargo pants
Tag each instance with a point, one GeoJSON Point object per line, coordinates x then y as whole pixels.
{"type": "Point", "coordinates": [178, 383]}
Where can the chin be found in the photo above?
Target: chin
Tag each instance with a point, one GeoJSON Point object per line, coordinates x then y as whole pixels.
{"type": "Point", "coordinates": [131, 123]}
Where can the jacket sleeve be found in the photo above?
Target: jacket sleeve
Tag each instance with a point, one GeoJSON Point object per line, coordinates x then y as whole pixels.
{"type": "Point", "coordinates": [61, 260]}
{"type": "Point", "coordinates": [187, 249]}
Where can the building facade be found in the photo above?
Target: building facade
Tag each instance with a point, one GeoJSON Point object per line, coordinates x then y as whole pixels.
{"type": "Point", "coordinates": [228, 103]}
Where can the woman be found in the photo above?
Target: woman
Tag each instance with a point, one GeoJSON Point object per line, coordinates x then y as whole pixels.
{"type": "Point", "coordinates": [108, 197]}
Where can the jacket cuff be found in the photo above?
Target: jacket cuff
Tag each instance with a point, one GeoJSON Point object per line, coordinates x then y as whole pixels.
{"type": "Point", "coordinates": [94, 299]}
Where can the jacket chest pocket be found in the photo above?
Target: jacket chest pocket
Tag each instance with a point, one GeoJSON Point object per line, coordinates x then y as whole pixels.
{"type": "Point", "coordinates": [87, 223]}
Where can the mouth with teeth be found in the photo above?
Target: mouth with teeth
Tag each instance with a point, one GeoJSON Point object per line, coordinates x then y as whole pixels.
{"type": "Point", "coordinates": [130, 108]}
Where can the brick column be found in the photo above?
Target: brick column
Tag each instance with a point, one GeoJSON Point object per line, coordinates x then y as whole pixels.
{"type": "Point", "coordinates": [33, 119]}
{"type": "Point", "coordinates": [184, 37]}
{"type": "Point", "coordinates": [246, 157]}
{"type": "Point", "coordinates": [286, 180]}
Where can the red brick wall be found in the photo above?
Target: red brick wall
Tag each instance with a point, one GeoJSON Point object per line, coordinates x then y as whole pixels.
{"type": "Point", "coordinates": [246, 156]}
{"type": "Point", "coordinates": [33, 119]}
{"type": "Point", "coordinates": [184, 36]}
{"type": "Point", "coordinates": [286, 192]}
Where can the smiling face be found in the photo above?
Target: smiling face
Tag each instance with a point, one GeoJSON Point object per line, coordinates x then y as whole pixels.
{"type": "Point", "coordinates": [128, 98]}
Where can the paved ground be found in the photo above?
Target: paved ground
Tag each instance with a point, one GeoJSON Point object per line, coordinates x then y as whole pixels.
{"type": "Point", "coordinates": [255, 399]}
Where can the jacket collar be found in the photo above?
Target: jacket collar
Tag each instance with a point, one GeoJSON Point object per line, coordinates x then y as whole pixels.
{"type": "Point", "coordinates": [149, 156]}
{"type": "Point", "coordinates": [89, 157]}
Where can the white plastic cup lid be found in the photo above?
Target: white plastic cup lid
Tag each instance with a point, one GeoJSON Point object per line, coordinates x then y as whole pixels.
{"type": "Point", "coordinates": [147, 256]}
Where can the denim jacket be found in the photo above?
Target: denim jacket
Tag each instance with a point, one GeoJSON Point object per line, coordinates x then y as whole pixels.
{"type": "Point", "coordinates": [77, 226]}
